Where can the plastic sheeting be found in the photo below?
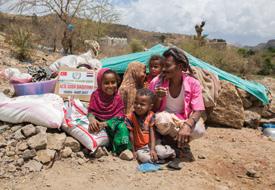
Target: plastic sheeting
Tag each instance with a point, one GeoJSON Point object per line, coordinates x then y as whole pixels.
{"type": "Point", "coordinates": [120, 63]}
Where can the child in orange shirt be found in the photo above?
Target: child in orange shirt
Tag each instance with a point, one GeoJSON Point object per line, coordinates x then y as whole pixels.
{"type": "Point", "coordinates": [141, 124]}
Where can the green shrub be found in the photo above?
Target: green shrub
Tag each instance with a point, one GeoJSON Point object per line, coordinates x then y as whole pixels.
{"type": "Point", "coordinates": [271, 49]}
{"type": "Point", "coordinates": [267, 68]}
{"type": "Point", "coordinates": [136, 45]}
{"type": "Point", "coordinates": [21, 40]}
{"type": "Point", "coordinates": [246, 52]}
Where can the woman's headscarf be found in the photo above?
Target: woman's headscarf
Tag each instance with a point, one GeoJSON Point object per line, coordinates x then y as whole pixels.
{"type": "Point", "coordinates": [130, 84]}
{"type": "Point", "coordinates": [103, 106]}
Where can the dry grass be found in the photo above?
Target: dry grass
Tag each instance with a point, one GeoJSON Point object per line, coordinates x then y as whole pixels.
{"type": "Point", "coordinates": [227, 59]}
{"type": "Point", "coordinates": [22, 41]}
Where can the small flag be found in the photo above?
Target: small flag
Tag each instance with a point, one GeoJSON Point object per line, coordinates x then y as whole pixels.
{"type": "Point", "coordinates": [90, 74]}
{"type": "Point", "coordinates": [63, 73]}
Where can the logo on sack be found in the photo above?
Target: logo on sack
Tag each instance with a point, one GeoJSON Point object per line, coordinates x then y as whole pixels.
{"type": "Point", "coordinates": [76, 75]}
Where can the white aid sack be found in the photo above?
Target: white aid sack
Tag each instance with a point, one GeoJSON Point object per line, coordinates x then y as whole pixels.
{"type": "Point", "coordinates": [76, 124]}
{"type": "Point", "coordinates": [43, 110]}
{"type": "Point", "coordinates": [73, 61]}
{"type": "Point", "coordinates": [15, 76]}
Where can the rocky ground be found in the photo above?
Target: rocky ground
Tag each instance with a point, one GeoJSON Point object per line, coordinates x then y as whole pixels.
{"type": "Point", "coordinates": [33, 157]}
{"type": "Point", "coordinates": [225, 159]}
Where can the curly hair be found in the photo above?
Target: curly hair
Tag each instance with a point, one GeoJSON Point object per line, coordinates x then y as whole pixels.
{"type": "Point", "coordinates": [146, 92]}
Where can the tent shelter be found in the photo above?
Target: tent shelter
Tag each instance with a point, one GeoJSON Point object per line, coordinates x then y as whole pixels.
{"type": "Point", "coordinates": [120, 63]}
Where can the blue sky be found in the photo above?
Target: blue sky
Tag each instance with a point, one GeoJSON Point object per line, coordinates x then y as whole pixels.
{"type": "Point", "coordinates": [245, 22]}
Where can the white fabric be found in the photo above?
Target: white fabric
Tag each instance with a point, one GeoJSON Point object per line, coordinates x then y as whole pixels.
{"type": "Point", "coordinates": [163, 152]}
{"type": "Point", "coordinates": [169, 123]}
{"type": "Point", "coordinates": [175, 105]}
{"type": "Point", "coordinates": [73, 61]}
{"type": "Point", "coordinates": [44, 110]}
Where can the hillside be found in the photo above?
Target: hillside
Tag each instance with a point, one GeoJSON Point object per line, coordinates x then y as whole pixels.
{"type": "Point", "coordinates": [47, 32]}
{"type": "Point", "coordinates": [51, 27]}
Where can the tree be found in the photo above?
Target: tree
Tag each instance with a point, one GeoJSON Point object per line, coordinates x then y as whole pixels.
{"type": "Point", "coordinates": [103, 13]}
{"type": "Point", "coordinates": [67, 10]}
{"type": "Point", "coordinates": [199, 30]}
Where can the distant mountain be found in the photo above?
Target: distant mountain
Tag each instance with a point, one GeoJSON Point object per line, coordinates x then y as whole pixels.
{"type": "Point", "coordinates": [268, 44]}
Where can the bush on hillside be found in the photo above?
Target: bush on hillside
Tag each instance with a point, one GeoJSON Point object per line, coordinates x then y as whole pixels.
{"type": "Point", "coordinates": [21, 40]}
{"type": "Point", "coordinates": [246, 52]}
{"type": "Point", "coordinates": [267, 68]}
{"type": "Point", "coordinates": [271, 49]}
{"type": "Point", "coordinates": [136, 45]}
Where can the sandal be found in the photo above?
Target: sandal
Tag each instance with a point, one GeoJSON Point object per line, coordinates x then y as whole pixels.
{"type": "Point", "coordinates": [175, 164]}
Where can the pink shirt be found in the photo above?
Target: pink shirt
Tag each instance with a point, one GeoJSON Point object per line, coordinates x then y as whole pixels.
{"type": "Point", "coordinates": [193, 100]}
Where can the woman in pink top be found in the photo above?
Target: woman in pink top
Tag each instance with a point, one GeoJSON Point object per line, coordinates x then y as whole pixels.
{"type": "Point", "coordinates": [179, 100]}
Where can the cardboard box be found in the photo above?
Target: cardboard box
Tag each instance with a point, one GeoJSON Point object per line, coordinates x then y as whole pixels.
{"type": "Point", "coordinates": [78, 83]}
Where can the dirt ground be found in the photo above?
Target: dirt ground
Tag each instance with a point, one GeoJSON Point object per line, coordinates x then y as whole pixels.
{"type": "Point", "coordinates": [229, 154]}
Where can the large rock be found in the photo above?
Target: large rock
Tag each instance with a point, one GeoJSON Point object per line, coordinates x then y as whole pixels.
{"type": "Point", "coordinates": [3, 142]}
{"type": "Point", "coordinates": [16, 128]}
{"type": "Point", "coordinates": [66, 152]}
{"type": "Point", "coordinates": [12, 142]}
{"type": "Point", "coordinates": [229, 110]}
{"type": "Point", "coordinates": [18, 135]}
{"type": "Point", "coordinates": [33, 166]}
{"type": "Point", "coordinates": [56, 141]}
{"type": "Point", "coordinates": [45, 156]}
{"type": "Point", "coordinates": [10, 153]}
{"type": "Point", "coordinates": [73, 144]}
{"type": "Point", "coordinates": [28, 130]}
{"type": "Point", "coordinates": [22, 146]}
{"type": "Point", "coordinates": [247, 103]}
{"type": "Point", "coordinates": [38, 141]}
{"type": "Point", "coordinates": [41, 129]}
{"type": "Point", "coordinates": [28, 154]}
{"type": "Point", "coordinates": [20, 162]}
{"type": "Point", "coordinates": [262, 111]}
{"type": "Point", "coordinates": [11, 168]}
{"type": "Point", "coordinates": [251, 119]}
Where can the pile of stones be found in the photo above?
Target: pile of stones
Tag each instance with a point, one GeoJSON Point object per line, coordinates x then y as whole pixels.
{"type": "Point", "coordinates": [27, 148]}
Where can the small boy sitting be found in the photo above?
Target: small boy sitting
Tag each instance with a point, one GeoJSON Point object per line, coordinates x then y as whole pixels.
{"type": "Point", "coordinates": [141, 124]}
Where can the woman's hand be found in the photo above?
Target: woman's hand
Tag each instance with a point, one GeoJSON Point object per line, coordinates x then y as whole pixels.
{"type": "Point", "coordinates": [153, 155]}
{"type": "Point", "coordinates": [94, 124]}
{"type": "Point", "coordinates": [183, 136]}
{"type": "Point", "coordinates": [161, 92]}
